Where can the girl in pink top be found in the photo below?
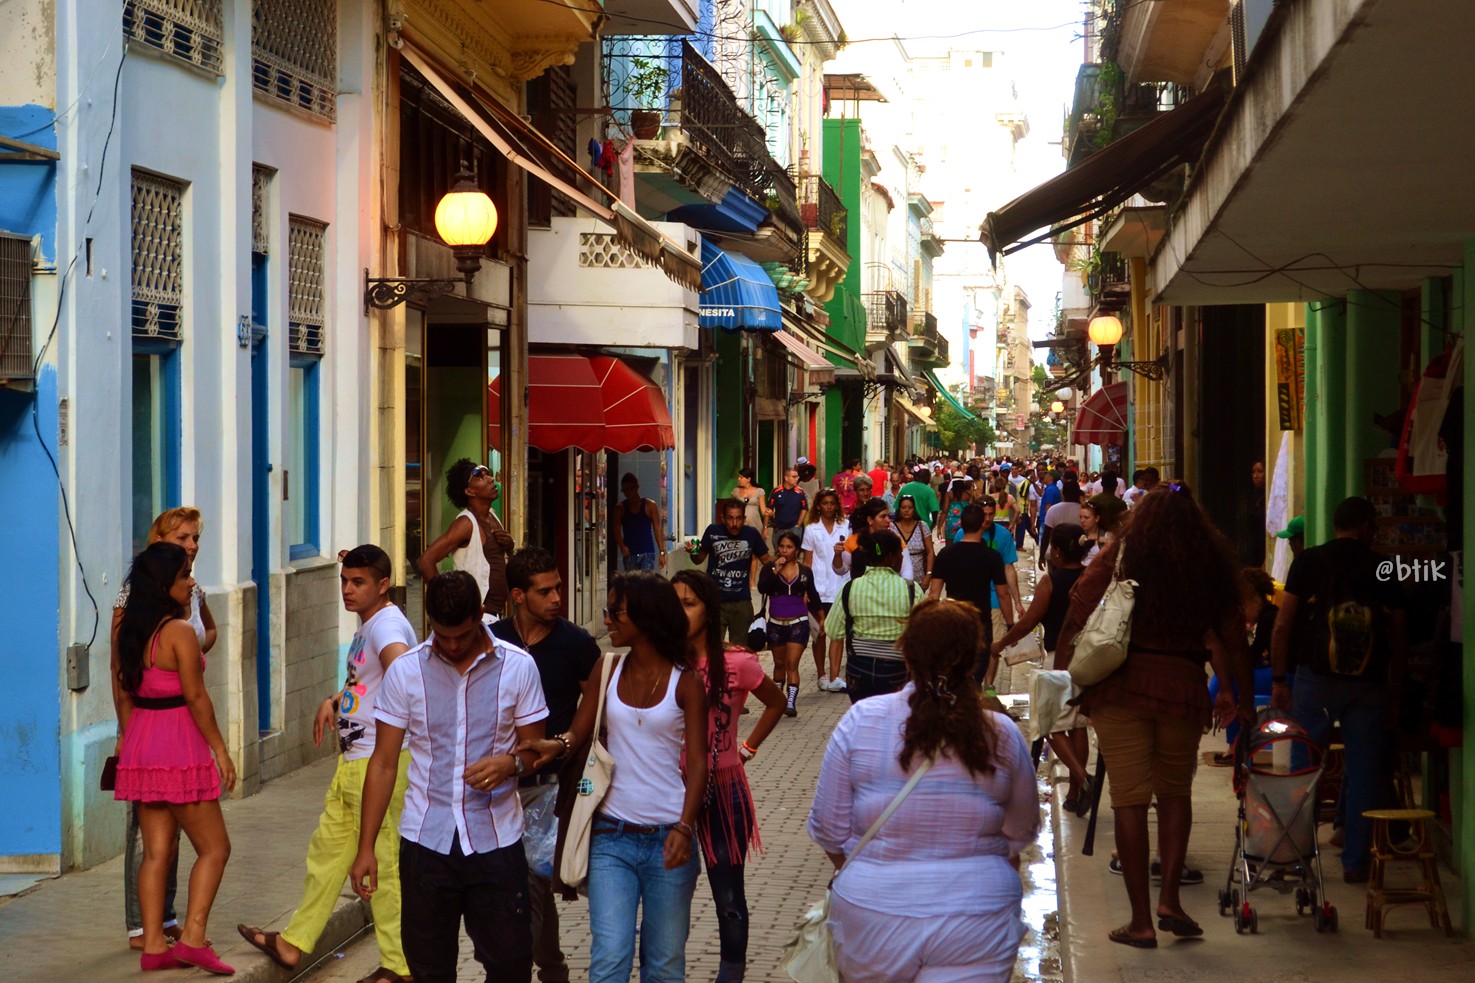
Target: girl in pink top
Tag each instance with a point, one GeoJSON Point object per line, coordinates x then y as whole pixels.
{"type": "Point", "coordinates": [729, 824]}
{"type": "Point", "coordinates": [165, 761]}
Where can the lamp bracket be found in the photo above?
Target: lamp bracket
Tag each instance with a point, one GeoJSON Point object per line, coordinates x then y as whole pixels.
{"type": "Point", "coordinates": [387, 292]}
{"type": "Point", "coordinates": [1155, 370]}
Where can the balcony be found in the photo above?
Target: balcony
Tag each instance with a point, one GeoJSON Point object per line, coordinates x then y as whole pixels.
{"type": "Point", "coordinates": [827, 225]}
{"type": "Point", "coordinates": [1106, 109]}
{"type": "Point", "coordinates": [886, 315]}
{"type": "Point", "coordinates": [1109, 281]}
{"type": "Point", "coordinates": [927, 345]}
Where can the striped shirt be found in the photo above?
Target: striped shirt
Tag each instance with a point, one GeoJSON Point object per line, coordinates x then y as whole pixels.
{"type": "Point", "coordinates": [452, 720]}
{"type": "Point", "coordinates": [880, 602]}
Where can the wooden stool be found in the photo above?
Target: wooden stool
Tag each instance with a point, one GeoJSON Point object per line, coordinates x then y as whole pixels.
{"type": "Point", "coordinates": [1418, 849]}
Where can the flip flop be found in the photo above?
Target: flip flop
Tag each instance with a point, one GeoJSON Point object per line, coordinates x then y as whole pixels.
{"type": "Point", "coordinates": [1121, 937]}
{"type": "Point", "coordinates": [267, 946]}
{"type": "Point", "coordinates": [1183, 928]}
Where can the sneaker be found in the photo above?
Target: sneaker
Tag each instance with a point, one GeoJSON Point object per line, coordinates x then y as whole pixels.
{"type": "Point", "coordinates": [837, 685]}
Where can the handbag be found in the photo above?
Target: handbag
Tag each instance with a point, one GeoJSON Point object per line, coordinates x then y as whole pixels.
{"type": "Point", "coordinates": [1030, 648]}
{"type": "Point", "coordinates": [809, 954]}
{"type": "Point", "coordinates": [109, 780]}
{"type": "Point", "coordinates": [1101, 646]}
{"type": "Point", "coordinates": [599, 768]}
{"type": "Point", "coordinates": [758, 630]}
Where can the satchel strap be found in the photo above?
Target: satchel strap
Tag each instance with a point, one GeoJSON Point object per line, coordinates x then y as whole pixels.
{"type": "Point", "coordinates": [604, 671]}
{"type": "Point", "coordinates": [906, 790]}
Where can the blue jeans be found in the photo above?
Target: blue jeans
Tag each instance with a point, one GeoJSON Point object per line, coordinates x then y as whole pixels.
{"type": "Point", "coordinates": [1361, 706]}
{"type": "Point", "coordinates": [867, 675]}
{"type": "Point", "coordinates": [626, 872]}
{"type": "Point", "coordinates": [641, 561]}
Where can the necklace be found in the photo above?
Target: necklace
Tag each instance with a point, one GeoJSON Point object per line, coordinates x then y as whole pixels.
{"type": "Point", "coordinates": [640, 711]}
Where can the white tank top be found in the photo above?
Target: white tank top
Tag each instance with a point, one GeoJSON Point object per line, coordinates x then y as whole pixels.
{"type": "Point", "coordinates": [473, 556]}
{"type": "Point", "coordinates": [647, 788]}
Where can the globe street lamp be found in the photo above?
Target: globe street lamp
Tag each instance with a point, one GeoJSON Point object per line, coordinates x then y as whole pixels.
{"type": "Point", "coordinates": [466, 220]}
{"type": "Point", "coordinates": [1105, 332]}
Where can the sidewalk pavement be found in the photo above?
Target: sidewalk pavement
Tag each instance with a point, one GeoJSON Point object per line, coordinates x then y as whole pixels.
{"type": "Point", "coordinates": [70, 929]}
{"type": "Point", "coordinates": [1093, 902]}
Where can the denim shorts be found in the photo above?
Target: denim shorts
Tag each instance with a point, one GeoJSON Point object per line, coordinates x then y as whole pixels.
{"type": "Point", "coordinates": [792, 634]}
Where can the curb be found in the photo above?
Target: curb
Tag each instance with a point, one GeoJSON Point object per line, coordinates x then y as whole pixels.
{"type": "Point", "coordinates": [1064, 921]}
{"type": "Point", "coordinates": [350, 918]}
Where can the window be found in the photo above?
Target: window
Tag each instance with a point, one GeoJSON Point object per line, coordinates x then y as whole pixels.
{"type": "Point", "coordinates": [294, 53]}
{"type": "Point", "coordinates": [158, 257]}
{"type": "Point", "coordinates": [156, 436]}
{"type": "Point", "coordinates": [157, 319]}
{"type": "Point", "coordinates": [190, 30]}
{"type": "Point", "coordinates": [306, 319]}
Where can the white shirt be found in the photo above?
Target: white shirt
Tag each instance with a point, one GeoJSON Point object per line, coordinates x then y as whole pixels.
{"type": "Point", "coordinates": [988, 818]}
{"type": "Point", "coordinates": [453, 720]}
{"type": "Point", "coordinates": [821, 544]}
{"type": "Point", "coordinates": [1132, 495]}
{"type": "Point", "coordinates": [356, 727]}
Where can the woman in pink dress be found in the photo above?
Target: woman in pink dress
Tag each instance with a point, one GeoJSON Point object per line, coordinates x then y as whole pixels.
{"type": "Point", "coordinates": [165, 761]}
{"type": "Point", "coordinates": [729, 823]}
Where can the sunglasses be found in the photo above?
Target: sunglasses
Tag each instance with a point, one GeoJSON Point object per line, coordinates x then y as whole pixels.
{"type": "Point", "coordinates": [613, 614]}
{"type": "Point", "coordinates": [480, 472]}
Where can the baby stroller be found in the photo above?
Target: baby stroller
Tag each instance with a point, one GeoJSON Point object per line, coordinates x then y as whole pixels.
{"type": "Point", "coordinates": [1275, 842]}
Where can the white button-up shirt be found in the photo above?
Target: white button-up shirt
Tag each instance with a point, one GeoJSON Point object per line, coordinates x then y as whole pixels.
{"type": "Point", "coordinates": [452, 720]}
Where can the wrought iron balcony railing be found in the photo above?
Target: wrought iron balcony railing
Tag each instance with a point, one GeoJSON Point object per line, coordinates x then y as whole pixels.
{"type": "Point", "coordinates": [887, 312]}
{"type": "Point", "coordinates": [822, 209]}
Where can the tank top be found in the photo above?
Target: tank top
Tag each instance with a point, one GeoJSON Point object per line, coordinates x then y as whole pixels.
{"type": "Point", "coordinates": [473, 556]}
{"type": "Point", "coordinates": [636, 528]}
{"type": "Point", "coordinates": [646, 744]}
{"type": "Point", "coordinates": [1061, 581]}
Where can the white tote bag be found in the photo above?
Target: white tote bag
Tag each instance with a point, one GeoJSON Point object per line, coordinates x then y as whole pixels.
{"type": "Point", "coordinates": [599, 768]}
{"type": "Point", "coordinates": [809, 955]}
{"type": "Point", "coordinates": [1101, 646]}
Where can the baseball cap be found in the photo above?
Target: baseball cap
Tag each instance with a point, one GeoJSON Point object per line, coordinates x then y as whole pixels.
{"type": "Point", "coordinates": [1004, 466]}
{"type": "Point", "coordinates": [1296, 527]}
{"type": "Point", "coordinates": [802, 460]}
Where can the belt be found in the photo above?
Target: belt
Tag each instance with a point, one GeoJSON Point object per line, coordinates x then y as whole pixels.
{"type": "Point", "coordinates": [530, 781]}
{"type": "Point", "coordinates": [787, 621]}
{"type": "Point", "coordinates": [157, 702]}
{"type": "Point", "coordinates": [604, 824]}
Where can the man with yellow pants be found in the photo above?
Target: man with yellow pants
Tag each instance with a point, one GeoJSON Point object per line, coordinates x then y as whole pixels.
{"type": "Point", "coordinates": [383, 635]}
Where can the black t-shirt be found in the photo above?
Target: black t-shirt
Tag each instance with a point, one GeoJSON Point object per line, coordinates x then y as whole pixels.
{"type": "Point", "coordinates": [967, 569]}
{"type": "Point", "coordinates": [565, 658]}
{"type": "Point", "coordinates": [789, 506]}
{"type": "Point", "coordinates": [1342, 568]}
{"type": "Point", "coordinates": [730, 559]}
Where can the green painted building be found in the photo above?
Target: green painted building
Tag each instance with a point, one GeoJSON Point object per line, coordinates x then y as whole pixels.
{"type": "Point", "coordinates": [844, 404]}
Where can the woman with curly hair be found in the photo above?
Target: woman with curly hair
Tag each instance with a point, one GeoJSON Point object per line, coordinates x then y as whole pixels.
{"type": "Point", "coordinates": [1150, 714]}
{"type": "Point", "coordinates": [729, 822]}
{"type": "Point", "coordinates": [980, 789]}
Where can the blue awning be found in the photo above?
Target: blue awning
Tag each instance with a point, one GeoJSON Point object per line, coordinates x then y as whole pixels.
{"type": "Point", "coordinates": [737, 293]}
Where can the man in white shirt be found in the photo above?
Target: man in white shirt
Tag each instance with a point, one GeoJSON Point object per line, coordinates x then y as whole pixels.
{"type": "Point", "coordinates": [384, 634]}
{"type": "Point", "coordinates": [460, 694]}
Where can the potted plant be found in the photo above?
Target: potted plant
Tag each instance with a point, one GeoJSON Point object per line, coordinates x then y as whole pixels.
{"type": "Point", "coordinates": [646, 84]}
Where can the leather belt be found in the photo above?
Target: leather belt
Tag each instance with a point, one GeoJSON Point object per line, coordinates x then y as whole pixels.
{"type": "Point", "coordinates": [530, 781]}
{"type": "Point", "coordinates": [603, 824]}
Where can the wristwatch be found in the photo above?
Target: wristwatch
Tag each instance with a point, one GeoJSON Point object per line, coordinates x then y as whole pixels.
{"type": "Point", "coordinates": [520, 766]}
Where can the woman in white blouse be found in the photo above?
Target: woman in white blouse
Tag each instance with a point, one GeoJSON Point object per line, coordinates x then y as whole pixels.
{"type": "Point", "coordinates": [957, 838]}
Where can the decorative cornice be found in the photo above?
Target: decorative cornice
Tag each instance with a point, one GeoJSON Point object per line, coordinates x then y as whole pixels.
{"type": "Point", "coordinates": [533, 54]}
{"type": "Point", "coordinates": [828, 264]}
{"type": "Point", "coordinates": [457, 37]}
{"type": "Point", "coordinates": [821, 27]}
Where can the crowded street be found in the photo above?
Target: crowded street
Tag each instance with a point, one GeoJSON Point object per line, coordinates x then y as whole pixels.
{"type": "Point", "coordinates": [705, 491]}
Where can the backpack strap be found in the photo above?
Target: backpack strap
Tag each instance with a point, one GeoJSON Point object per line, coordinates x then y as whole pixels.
{"type": "Point", "coordinates": [849, 621]}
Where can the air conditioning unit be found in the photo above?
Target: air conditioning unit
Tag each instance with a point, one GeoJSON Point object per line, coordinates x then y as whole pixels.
{"type": "Point", "coordinates": [16, 340]}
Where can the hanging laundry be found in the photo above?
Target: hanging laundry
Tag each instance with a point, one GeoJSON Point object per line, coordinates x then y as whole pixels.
{"type": "Point", "coordinates": [625, 182]}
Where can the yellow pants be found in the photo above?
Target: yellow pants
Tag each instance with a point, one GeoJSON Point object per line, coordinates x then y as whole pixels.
{"type": "Point", "coordinates": [330, 856]}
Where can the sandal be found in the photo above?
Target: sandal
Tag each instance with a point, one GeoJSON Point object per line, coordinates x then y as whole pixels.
{"type": "Point", "coordinates": [1122, 937]}
{"type": "Point", "coordinates": [267, 946]}
{"type": "Point", "coordinates": [1086, 797]}
{"type": "Point", "coordinates": [1183, 928]}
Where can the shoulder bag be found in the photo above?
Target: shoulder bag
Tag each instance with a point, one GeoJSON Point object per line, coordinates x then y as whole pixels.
{"type": "Point", "coordinates": [1101, 646]}
{"type": "Point", "coordinates": [599, 768]}
{"type": "Point", "coordinates": [809, 955]}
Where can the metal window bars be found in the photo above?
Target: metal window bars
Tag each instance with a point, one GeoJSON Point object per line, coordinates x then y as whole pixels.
{"type": "Point", "coordinates": [191, 30]}
{"type": "Point", "coordinates": [294, 53]}
{"type": "Point", "coordinates": [157, 225]}
{"type": "Point", "coordinates": [306, 262]}
{"type": "Point", "coordinates": [15, 308]}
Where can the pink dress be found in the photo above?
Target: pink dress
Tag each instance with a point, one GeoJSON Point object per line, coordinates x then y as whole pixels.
{"type": "Point", "coordinates": [164, 757]}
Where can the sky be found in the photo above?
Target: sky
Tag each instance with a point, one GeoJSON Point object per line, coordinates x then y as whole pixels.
{"type": "Point", "coordinates": [1041, 42]}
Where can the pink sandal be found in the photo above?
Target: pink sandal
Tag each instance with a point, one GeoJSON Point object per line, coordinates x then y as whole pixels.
{"type": "Point", "coordinates": [202, 957]}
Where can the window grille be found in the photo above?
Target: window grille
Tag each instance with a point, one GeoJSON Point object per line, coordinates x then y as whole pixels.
{"type": "Point", "coordinates": [294, 53]}
{"type": "Point", "coordinates": [260, 209]}
{"type": "Point", "coordinates": [190, 30]}
{"type": "Point", "coordinates": [15, 307]}
{"type": "Point", "coordinates": [305, 265]}
{"type": "Point", "coordinates": [158, 257]}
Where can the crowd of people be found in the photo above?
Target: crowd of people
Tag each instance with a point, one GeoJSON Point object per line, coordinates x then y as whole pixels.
{"type": "Point", "coordinates": [455, 749]}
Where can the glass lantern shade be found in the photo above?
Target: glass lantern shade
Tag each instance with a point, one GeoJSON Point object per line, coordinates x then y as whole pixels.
{"type": "Point", "coordinates": [1105, 330]}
